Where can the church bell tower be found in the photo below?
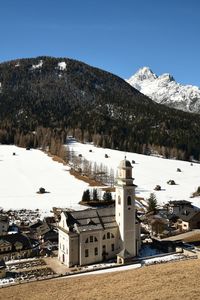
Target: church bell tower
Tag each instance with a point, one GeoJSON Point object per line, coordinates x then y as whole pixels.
{"type": "Point", "coordinates": [125, 209]}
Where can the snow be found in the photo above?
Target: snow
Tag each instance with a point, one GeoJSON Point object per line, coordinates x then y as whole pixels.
{"type": "Point", "coordinates": [165, 90]}
{"type": "Point", "coordinates": [109, 270]}
{"type": "Point", "coordinates": [39, 65]}
{"type": "Point", "coordinates": [62, 65]}
{"type": "Point", "coordinates": [148, 172]}
{"type": "Point", "coordinates": [162, 259]}
{"type": "Point", "coordinates": [22, 175]}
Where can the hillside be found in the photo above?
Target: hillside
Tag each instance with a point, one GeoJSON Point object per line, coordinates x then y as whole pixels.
{"type": "Point", "coordinates": [175, 281]}
{"type": "Point", "coordinates": [22, 174]}
{"type": "Point", "coordinates": [42, 99]}
{"type": "Point", "coordinates": [165, 90]}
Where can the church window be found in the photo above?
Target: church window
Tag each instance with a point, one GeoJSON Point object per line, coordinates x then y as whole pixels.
{"type": "Point", "coordinates": [119, 200]}
{"type": "Point", "coordinates": [113, 247]}
{"type": "Point", "coordinates": [104, 248]}
{"type": "Point", "coordinates": [91, 239]}
{"type": "Point", "coordinates": [112, 235]}
{"type": "Point", "coordinates": [95, 251]}
{"type": "Point", "coordinates": [63, 247]}
{"type": "Point", "coordinates": [104, 237]}
{"type": "Point", "coordinates": [86, 252]}
{"type": "Point", "coordinates": [95, 239]}
{"type": "Point", "coordinates": [86, 241]}
{"type": "Point", "coordinates": [108, 235]}
{"type": "Point", "coordinates": [129, 200]}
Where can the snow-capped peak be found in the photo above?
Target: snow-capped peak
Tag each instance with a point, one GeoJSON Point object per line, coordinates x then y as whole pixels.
{"type": "Point", "coordinates": [144, 73]}
{"type": "Point", "coordinates": [165, 90]}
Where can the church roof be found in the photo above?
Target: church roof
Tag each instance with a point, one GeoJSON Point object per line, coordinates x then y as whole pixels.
{"type": "Point", "coordinates": [91, 219]}
{"type": "Point", "coordinates": [124, 164]}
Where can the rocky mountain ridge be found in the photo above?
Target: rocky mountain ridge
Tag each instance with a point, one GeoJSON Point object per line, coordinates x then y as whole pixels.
{"type": "Point", "coordinates": [165, 90]}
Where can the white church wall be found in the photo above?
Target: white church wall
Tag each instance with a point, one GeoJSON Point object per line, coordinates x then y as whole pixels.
{"type": "Point", "coordinates": [63, 250]}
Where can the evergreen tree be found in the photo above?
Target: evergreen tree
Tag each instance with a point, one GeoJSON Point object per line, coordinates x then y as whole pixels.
{"type": "Point", "coordinates": [152, 203]}
{"type": "Point", "coordinates": [95, 195]}
{"type": "Point", "coordinates": [86, 196]}
{"type": "Point", "coordinates": [107, 196]}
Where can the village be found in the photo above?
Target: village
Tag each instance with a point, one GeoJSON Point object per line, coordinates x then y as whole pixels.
{"type": "Point", "coordinates": [122, 230]}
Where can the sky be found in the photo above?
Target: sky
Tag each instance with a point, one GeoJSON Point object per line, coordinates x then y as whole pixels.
{"type": "Point", "coordinates": [119, 36]}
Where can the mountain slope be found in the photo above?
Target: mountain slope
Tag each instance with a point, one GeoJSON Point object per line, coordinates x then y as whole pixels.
{"type": "Point", "coordinates": [165, 90]}
{"type": "Point", "coordinates": [43, 99]}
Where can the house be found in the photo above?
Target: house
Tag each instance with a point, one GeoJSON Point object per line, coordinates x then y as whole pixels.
{"type": "Point", "coordinates": [4, 224]}
{"type": "Point", "coordinates": [177, 206]}
{"type": "Point", "coordinates": [187, 215]}
{"type": "Point", "coordinates": [15, 246]}
{"type": "Point", "coordinates": [94, 235]}
{"type": "Point", "coordinates": [2, 269]}
{"type": "Point", "coordinates": [39, 229]}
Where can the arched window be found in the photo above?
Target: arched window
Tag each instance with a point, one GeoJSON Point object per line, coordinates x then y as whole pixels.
{"type": "Point", "coordinates": [129, 200]}
{"type": "Point", "coordinates": [119, 200]}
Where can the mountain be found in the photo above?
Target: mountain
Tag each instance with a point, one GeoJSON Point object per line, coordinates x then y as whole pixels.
{"type": "Point", "coordinates": [44, 99]}
{"type": "Point", "coordinates": [165, 90]}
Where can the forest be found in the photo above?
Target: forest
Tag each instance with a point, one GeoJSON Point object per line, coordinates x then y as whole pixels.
{"type": "Point", "coordinates": [42, 103]}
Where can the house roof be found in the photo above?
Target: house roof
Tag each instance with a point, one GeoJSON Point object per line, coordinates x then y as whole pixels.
{"type": "Point", "coordinates": [91, 219]}
{"type": "Point", "coordinates": [179, 203]}
{"type": "Point", "coordinates": [188, 213]}
{"type": "Point", "coordinates": [4, 243]}
{"type": "Point", "coordinates": [17, 238]}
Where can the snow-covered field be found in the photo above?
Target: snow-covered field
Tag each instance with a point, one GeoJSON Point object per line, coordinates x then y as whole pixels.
{"type": "Point", "coordinates": [22, 175]}
{"type": "Point", "coordinates": [149, 171]}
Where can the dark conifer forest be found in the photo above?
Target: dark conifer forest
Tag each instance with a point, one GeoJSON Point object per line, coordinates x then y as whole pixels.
{"type": "Point", "coordinates": [41, 105]}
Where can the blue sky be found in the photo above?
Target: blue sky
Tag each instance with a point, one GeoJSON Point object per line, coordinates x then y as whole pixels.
{"type": "Point", "coordinates": [119, 36]}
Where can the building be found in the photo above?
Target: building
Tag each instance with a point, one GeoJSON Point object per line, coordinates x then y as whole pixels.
{"type": "Point", "coordinates": [187, 215]}
{"type": "Point", "coordinates": [4, 224]}
{"type": "Point", "coordinates": [95, 235]}
{"type": "Point", "coordinates": [15, 246]}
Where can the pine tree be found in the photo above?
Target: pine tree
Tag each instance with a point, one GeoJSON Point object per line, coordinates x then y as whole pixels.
{"type": "Point", "coordinates": [152, 203]}
{"type": "Point", "coordinates": [107, 196]}
{"type": "Point", "coordinates": [95, 195]}
{"type": "Point", "coordinates": [86, 196]}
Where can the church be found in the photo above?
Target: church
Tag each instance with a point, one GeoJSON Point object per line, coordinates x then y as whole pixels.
{"type": "Point", "coordinates": [95, 235]}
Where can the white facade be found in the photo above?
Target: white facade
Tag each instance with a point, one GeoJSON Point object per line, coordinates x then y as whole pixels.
{"type": "Point", "coordinates": [95, 235]}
